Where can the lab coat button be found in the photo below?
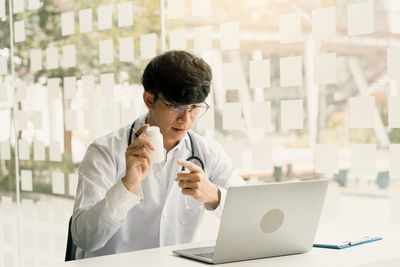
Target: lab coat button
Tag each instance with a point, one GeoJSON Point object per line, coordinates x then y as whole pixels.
{"type": "Point", "coordinates": [158, 174]}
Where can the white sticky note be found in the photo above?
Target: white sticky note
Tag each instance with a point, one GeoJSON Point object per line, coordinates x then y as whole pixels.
{"type": "Point", "coordinates": [18, 6]}
{"type": "Point", "coordinates": [35, 59]}
{"type": "Point", "coordinates": [69, 56]}
{"type": "Point", "coordinates": [5, 150]}
{"type": "Point", "coordinates": [3, 65]}
{"type": "Point", "coordinates": [261, 115]}
{"type": "Point", "coordinates": [207, 121]}
{"type": "Point", "coordinates": [324, 23]}
{"type": "Point", "coordinates": [326, 158]}
{"type": "Point", "coordinates": [126, 49]}
{"type": "Point", "coordinates": [67, 23]}
{"type": "Point", "coordinates": [26, 180]}
{"type": "Point", "coordinates": [107, 84]}
{"type": "Point", "coordinates": [57, 182]}
{"type": "Point", "coordinates": [202, 38]}
{"type": "Point", "coordinates": [201, 7]}
{"type": "Point", "coordinates": [394, 157]}
{"type": "Point", "coordinates": [69, 87]}
{"type": "Point", "coordinates": [85, 20]}
{"type": "Point", "coordinates": [363, 159]}
{"type": "Point", "coordinates": [290, 28]}
{"type": "Point", "coordinates": [230, 75]}
{"type": "Point", "coordinates": [175, 9]}
{"type": "Point", "coordinates": [21, 94]}
{"type": "Point", "coordinates": [230, 35]}
{"type": "Point", "coordinates": [125, 14]}
{"type": "Point", "coordinates": [148, 46]}
{"type": "Point", "coordinates": [2, 8]}
{"type": "Point", "coordinates": [259, 73]}
{"type": "Point", "coordinates": [73, 183]}
{"type": "Point", "coordinates": [292, 114]}
{"type": "Point", "coordinates": [39, 151]}
{"type": "Point", "coordinates": [38, 120]}
{"type": "Point", "coordinates": [53, 87]}
{"type": "Point", "coordinates": [362, 112]}
{"type": "Point", "coordinates": [19, 31]}
{"type": "Point", "coordinates": [33, 4]}
{"type": "Point", "coordinates": [393, 62]}
{"type": "Point", "coordinates": [325, 68]}
{"type": "Point", "coordinates": [23, 150]}
{"type": "Point", "coordinates": [177, 40]}
{"type": "Point", "coordinates": [291, 71]}
{"type": "Point", "coordinates": [104, 17]}
{"type": "Point", "coordinates": [71, 120]}
{"type": "Point", "coordinates": [261, 156]}
{"type": "Point", "coordinates": [88, 86]}
{"type": "Point", "coordinates": [107, 119]}
{"type": "Point", "coordinates": [52, 58]}
{"type": "Point", "coordinates": [55, 151]}
{"type": "Point", "coordinates": [357, 26]}
{"type": "Point", "coordinates": [394, 111]}
{"type": "Point", "coordinates": [232, 116]}
{"type": "Point", "coordinates": [106, 52]}
{"type": "Point", "coordinates": [21, 120]}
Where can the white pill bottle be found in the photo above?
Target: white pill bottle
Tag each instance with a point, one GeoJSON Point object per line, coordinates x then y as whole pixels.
{"type": "Point", "coordinates": [154, 135]}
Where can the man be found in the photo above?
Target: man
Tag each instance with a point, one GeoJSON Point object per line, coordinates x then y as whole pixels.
{"type": "Point", "coordinates": [125, 202]}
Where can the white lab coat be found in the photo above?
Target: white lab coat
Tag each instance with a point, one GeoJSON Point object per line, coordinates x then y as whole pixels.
{"type": "Point", "coordinates": [109, 219]}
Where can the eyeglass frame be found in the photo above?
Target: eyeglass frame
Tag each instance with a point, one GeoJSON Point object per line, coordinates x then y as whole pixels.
{"type": "Point", "coordinates": [171, 106]}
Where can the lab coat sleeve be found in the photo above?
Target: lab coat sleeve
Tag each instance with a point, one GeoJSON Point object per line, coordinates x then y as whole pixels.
{"type": "Point", "coordinates": [102, 201]}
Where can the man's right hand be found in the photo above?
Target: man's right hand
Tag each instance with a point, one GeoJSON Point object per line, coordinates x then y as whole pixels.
{"type": "Point", "coordinates": [138, 160]}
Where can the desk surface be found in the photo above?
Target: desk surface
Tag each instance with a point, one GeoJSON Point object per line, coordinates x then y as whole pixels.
{"type": "Point", "coordinates": [381, 253]}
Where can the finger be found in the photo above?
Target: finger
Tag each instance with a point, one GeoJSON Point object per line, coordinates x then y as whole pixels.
{"type": "Point", "coordinates": [142, 153]}
{"type": "Point", "coordinates": [188, 185]}
{"type": "Point", "coordinates": [187, 176]}
{"type": "Point", "coordinates": [140, 142]}
{"type": "Point", "coordinates": [188, 192]}
{"type": "Point", "coordinates": [189, 165]}
{"type": "Point", "coordinates": [142, 129]}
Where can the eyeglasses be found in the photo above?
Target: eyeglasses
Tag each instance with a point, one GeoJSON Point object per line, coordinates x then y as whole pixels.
{"type": "Point", "coordinates": [176, 111]}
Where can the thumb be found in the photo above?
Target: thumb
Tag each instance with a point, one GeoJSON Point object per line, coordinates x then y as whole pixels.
{"type": "Point", "coordinates": [142, 129]}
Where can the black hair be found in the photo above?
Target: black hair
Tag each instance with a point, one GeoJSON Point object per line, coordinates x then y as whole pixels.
{"type": "Point", "coordinates": [179, 77]}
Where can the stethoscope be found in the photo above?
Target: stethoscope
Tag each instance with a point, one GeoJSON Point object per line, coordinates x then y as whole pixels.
{"type": "Point", "coordinates": [194, 159]}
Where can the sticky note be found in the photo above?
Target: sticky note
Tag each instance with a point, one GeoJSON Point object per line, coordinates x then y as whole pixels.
{"type": "Point", "coordinates": [126, 49]}
{"type": "Point", "coordinates": [201, 7]}
{"type": "Point", "coordinates": [69, 87]}
{"type": "Point", "coordinates": [21, 120]}
{"type": "Point", "coordinates": [53, 87]}
{"type": "Point", "coordinates": [291, 71]}
{"type": "Point", "coordinates": [394, 156]}
{"type": "Point", "coordinates": [88, 86]}
{"type": "Point", "coordinates": [18, 6]}
{"type": "Point", "coordinates": [107, 119]}
{"type": "Point", "coordinates": [104, 17]}
{"type": "Point", "coordinates": [3, 65]}
{"type": "Point", "coordinates": [230, 35]}
{"type": "Point", "coordinates": [231, 75]}
{"type": "Point", "coordinates": [19, 31]}
{"type": "Point", "coordinates": [175, 9]}
{"type": "Point", "coordinates": [326, 158]}
{"type": "Point", "coordinates": [325, 68]}
{"type": "Point", "coordinates": [363, 159]}
{"type": "Point", "coordinates": [362, 113]}
{"type": "Point", "coordinates": [69, 56]}
{"type": "Point", "coordinates": [290, 28]}
{"type": "Point", "coordinates": [38, 151]}
{"type": "Point", "coordinates": [261, 115]}
{"type": "Point", "coordinates": [55, 151]}
{"type": "Point", "coordinates": [26, 180]}
{"type": "Point", "coordinates": [393, 62]}
{"type": "Point", "coordinates": [71, 122]}
{"type": "Point", "coordinates": [202, 38]}
{"type": "Point", "coordinates": [23, 150]}
{"type": "Point", "coordinates": [259, 73]}
{"type": "Point", "coordinates": [73, 183]}
{"type": "Point", "coordinates": [85, 20]}
{"type": "Point", "coordinates": [2, 8]}
{"type": "Point", "coordinates": [261, 156]}
{"type": "Point", "coordinates": [232, 116]}
{"type": "Point", "coordinates": [51, 58]}
{"type": "Point", "coordinates": [291, 114]}
{"type": "Point", "coordinates": [35, 59]}
{"type": "Point", "coordinates": [106, 51]}
{"type": "Point", "coordinates": [107, 84]}
{"type": "Point", "coordinates": [148, 44]}
{"type": "Point", "coordinates": [21, 91]}
{"type": "Point", "coordinates": [125, 14]}
{"type": "Point", "coordinates": [394, 111]}
{"type": "Point", "coordinates": [5, 150]}
{"type": "Point", "coordinates": [38, 120]}
{"type": "Point", "coordinates": [324, 23]}
{"type": "Point", "coordinates": [177, 40]}
{"type": "Point", "coordinates": [357, 26]}
{"type": "Point", "coordinates": [57, 183]}
{"type": "Point", "coordinates": [67, 23]}
{"type": "Point", "coordinates": [33, 4]}
{"type": "Point", "coordinates": [207, 121]}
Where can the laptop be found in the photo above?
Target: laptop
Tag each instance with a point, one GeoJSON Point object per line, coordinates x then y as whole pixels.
{"type": "Point", "coordinates": [267, 220]}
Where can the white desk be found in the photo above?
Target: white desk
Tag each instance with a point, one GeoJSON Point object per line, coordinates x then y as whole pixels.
{"type": "Point", "coordinates": [383, 253]}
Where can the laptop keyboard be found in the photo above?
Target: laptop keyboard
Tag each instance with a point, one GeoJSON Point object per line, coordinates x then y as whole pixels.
{"type": "Point", "coordinates": [206, 255]}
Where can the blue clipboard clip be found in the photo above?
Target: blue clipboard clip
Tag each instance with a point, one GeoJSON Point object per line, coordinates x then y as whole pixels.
{"type": "Point", "coordinates": [350, 243]}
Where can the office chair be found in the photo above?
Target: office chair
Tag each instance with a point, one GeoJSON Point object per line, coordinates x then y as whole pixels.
{"type": "Point", "coordinates": [71, 248]}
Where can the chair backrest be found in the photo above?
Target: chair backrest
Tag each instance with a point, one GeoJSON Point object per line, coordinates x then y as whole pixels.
{"type": "Point", "coordinates": [71, 248]}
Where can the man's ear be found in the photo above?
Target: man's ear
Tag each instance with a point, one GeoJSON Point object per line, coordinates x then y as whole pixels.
{"type": "Point", "coordinates": [148, 99]}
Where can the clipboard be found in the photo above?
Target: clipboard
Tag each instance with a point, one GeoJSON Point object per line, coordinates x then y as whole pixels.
{"type": "Point", "coordinates": [347, 244]}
